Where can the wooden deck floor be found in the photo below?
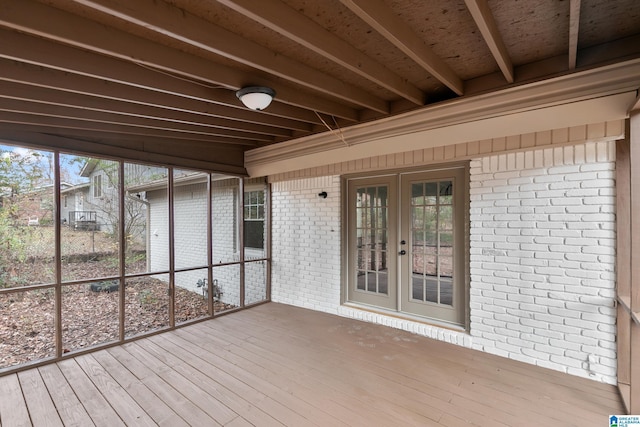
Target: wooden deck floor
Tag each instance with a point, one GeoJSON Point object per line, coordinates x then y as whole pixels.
{"type": "Point", "coordinates": [276, 365]}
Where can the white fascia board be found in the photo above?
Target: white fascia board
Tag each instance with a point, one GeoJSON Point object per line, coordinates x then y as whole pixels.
{"type": "Point", "coordinates": [592, 96]}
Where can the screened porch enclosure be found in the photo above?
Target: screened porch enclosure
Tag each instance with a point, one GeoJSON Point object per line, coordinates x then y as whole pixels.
{"type": "Point", "coordinates": [120, 250]}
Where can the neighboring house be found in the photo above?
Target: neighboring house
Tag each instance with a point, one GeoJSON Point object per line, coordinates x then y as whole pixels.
{"type": "Point", "coordinates": [72, 211]}
{"type": "Point", "coordinates": [147, 189]}
{"type": "Point", "coordinates": [34, 207]}
{"type": "Point", "coordinates": [96, 202]}
{"type": "Point", "coordinates": [190, 224]}
{"type": "Point", "coordinates": [99, 203]}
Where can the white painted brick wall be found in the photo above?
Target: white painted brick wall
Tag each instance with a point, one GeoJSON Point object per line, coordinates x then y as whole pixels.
{"type": "Point", "coordinates": [542, 257]}
{"type": "Point", "coordinates": [306, 243]}
{"type": "Point", "coordinates": [542, 260]}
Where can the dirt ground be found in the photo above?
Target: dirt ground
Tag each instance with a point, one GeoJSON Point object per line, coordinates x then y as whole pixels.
{"type": "Point", "coordinates": [89, 317]}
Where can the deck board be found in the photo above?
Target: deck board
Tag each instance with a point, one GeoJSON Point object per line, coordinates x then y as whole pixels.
{"type": "Point", "coordinates": [68, 406]}
{"type": "Point", "coordinates": [276, 365]}
{"type": "Point", "coordinates": [96, 404]}
{"type": "Point", "coordinates": [13, 408]}
{"type": "Point", "coordinates": [39, 403]}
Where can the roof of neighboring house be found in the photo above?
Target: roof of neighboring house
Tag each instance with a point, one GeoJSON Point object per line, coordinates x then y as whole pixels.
{"type": "Point", "coordinates": [48, 187]}
{"type": "Point", "coordinates": [73, 188]}
{"type": "Point", "coordinates": [89, 167]}
{"type": "Point", "coordinates": [179, 181]}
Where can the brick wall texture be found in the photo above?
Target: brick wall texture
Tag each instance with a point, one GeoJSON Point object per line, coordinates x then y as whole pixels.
{"type": "Point", "coordinates": [306, 243]}
{"type": "Point", "coordinates": [542, 257]}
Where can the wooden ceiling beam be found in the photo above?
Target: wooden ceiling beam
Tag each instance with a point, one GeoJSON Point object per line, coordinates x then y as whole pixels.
{"type": "Point", "coordinates": [55, 24]}
{"type": "Point", "coordinates": [35, 50]}
{"type": "Point", "coordinates": [574, 30]}
{"type": "Point", "coordinates": [109, 137]}
{"type": "Point", "coordinates": [30, 121]}
{"type": "Point", "coordinates": [20, 91]}
{"type": "Point", "coordinates": [202, 155]}
{"type": "Point", "coordinates": [382, 19]}
{"type": "Point", "coordinates": [178, 24]}
{"type": "Point", "coordinates": [278, 16]}
{"type": "Point", "coordinates": [65, 112]}
{"type": "Point", "coordinates": [65, 82]}
{"type": "Point", "coordinates": [483, 17]}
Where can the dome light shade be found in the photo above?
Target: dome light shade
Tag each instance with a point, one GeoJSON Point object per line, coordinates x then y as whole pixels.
{"type": "Point", "coordinates": [256, 97]}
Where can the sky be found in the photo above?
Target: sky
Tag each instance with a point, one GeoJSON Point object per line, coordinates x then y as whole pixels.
{"type": "Point", "coordinates": [70, 169]}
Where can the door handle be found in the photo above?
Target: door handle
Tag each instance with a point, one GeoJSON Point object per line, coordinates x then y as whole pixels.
{"type": "Point", "coordinates": [402, 252]}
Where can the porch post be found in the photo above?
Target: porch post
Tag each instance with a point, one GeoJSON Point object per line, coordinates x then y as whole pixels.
{"type": "Point", "coordinates": [628, 263]}
{"type": "Point", "coordinates": [634, 369]}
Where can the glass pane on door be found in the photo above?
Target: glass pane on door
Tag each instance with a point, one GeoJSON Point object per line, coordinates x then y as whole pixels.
{"type": "Point", "coordinates": [432, 242]}
{"type": "Point", "coordinates": [372, 222]}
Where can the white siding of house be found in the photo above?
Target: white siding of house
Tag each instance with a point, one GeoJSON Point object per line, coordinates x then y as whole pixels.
{"type": "Point", "coordinates": [225, 243]}
{"type": "Point", "coordinates": [158, 251]}
{"type": "Point", "coordinates": [190, 225]}
{"type": "Point", "coordinates": [542, 250]}
{"type": "Point", "coordinates": [190, 207]}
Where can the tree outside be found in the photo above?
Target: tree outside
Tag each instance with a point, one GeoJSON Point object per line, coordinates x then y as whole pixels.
{"type": "Point", "coordinates": [88, 254]}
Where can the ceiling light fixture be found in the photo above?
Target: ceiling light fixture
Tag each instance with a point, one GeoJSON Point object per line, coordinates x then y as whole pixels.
{"type": "Point", "coordinates": [256, 97]}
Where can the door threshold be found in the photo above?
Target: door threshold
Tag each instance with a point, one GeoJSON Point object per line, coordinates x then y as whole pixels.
{"type": "Point", "coordinates": [406, 316]}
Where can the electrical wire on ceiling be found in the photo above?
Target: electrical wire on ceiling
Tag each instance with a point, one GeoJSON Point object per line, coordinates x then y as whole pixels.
{"type": "Point", "coordinates": [176, 76]}
{"type": "Point", "coordinates": [339, 133]}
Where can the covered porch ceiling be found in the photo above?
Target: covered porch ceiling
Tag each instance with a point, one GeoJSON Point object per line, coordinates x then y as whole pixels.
{"type": "Point", "coordinates": [156, 79]}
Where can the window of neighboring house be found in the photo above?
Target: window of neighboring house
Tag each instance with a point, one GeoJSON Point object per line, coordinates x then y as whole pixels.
{"type": "Point", "coordinates": [254, 219]}
{"type": "Point", "coordinates": [97, 186]}
{"type": "Point", "coordinates": [66, 201]}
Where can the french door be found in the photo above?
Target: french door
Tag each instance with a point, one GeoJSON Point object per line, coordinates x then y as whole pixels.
{"type": "Point", "coordinates": [406, 243]}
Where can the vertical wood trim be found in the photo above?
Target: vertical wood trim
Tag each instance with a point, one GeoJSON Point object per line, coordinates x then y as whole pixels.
{"type": "Point", "coordinates": [634, 383]}
{"type": "Point", "coordinates": [623, 337]}
{"type": "Point", "coordinates": [172, 253]}
{"type": "Point", "coordinates": [634, 158]}
{"type": "Point", "coordinates": [57, 305]}
{"type": "Point", "coordinates": [210, 246]}
{"type": "Point", "coordinates": [634, 357]}
{"type": "Point", "coordinates": [122, 253]}
{"type": "Point", "coordinates": [623, 268]}
{"type": "Point", "coordinates": [241, 245]}
{"type": "Point", "coordinates": [267, 223]}
{"type": "Point", "coordinates": [623, 216]}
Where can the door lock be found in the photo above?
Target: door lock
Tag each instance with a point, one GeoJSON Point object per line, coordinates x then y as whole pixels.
{"type": "Point", "coordinates": [402, 252]}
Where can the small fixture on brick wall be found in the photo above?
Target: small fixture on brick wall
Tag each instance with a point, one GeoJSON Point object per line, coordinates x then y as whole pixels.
{"type": "Point", "coordinates": [323, 194]}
